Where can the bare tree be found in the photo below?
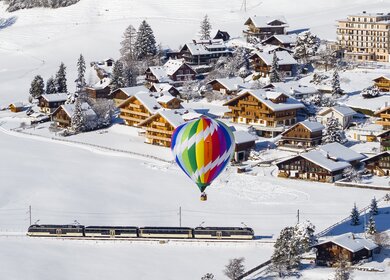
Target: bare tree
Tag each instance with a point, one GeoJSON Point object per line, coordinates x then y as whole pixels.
{"type": "Point", "coordinates": [343, 270]}
{"type": "Point", "coordinates": [234, 268]}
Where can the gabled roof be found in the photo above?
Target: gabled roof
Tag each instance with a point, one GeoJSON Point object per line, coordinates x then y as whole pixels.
{"type": "Point", "coordinates": [230, 84]}
{"type": "Point", "coordinates": [382, 110]}
{"type": "Point", "coordinates": [162, 86]}
{"type": "Point", "coordinates": [351, 242]}
{"type": "Point", "coordinates": [69, 109]}
{"type": "Point", "coordinates": [342, 110]}
{"type": "Point", "coordinates": [283, 38]}
{"type": "Point", "coordinates": [102, 84]}
{"type": "Point", "coordinates": [374, 157]}
{"type": "Point", "coordinates": [292, 88]}
{"type": "Point", "coordinates": [266, 21]}
{"type": "Point", "coordinates": [261, 95]}
{"type": "Point", "coordinates": [17, 104]}
{"type": "Point", "coordinates": [320, 159]}
{"type": "Point", "coordinates": [160, 73]}
{"type": "Point", "coordinates": [284, 57]}
{"type": "Point", "coordinates": [339, 152]}
{"type": "Point", "coordinates": [147, 99]}
{"type": "Point", "coordinates": [175, 117]}
{"type": "Point", "coordinates": [207, 49]}
{"type": "Point", "coordinates": [55, 97]}
{"type": "Point", "coordinates": [385, 77]}
{"type": "Point", "coordinates": [172, 65]}
{"type": "Point", "coordinates": [311, 126]}
{"type": "Point", "coordinates": [130, 91]}
{"type": "Point", "coordinates": [241, 136]}
{"type": "Point", "coordinates": [387, 132]}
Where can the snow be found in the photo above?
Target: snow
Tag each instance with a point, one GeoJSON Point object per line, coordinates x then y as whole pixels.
{"type": "Point", "coordinates": [243, 137]}
{"type": "Point", "coordinates": [342, 110]}
{"type": "Point", "coordinates": [265, 21]}
{"type": "Point", "coordinates": [312, 126]}
{"type": "Point", "coordinates": [231, 84]}
{"type": "Point", "coordinates": [337, 151]}
{"type": "Point", "coordinates": [55, 97]}
{"type": "Point", "coordinates": [284, 38]}
{"type": "Point", "coordinates": [284, 57]}
{"type": "Point", "coordinates": [351, 242]}
{"type": "Point", "coordinates": [320, 159]}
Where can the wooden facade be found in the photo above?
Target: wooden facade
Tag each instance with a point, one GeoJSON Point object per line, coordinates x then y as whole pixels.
{"type": "Point", "coordinates": [264, 68]}
{"type": "Point", "coordinates": [379, 165]}
{"type": "Point", "coordinates": [384, 117]}
{"type": "Point", "coordinates": [96, 93]}
{"type": "Point", "coordinates": [133, 111]}
{"type": "Point", "coordinates": [385, 140]}
{"type": "Point", "coordinates": [301, 137]}
{"type": "Point", "coordinates": [262, 32]}
{"type": "Point", "coordinates": [16, 107]}
{"type": "Point", "coordinates": [61, 118]}
{"type": "Point", "coordinates": [158, 131]}
{"type": "Point", "coordinates": [174, 103]}
{"type": "Point", "coordinates": [181, 74]}
{"type": "Point", "coordinates": [49, 103]}
{"type": "Point", "coordinates": [383, 83]}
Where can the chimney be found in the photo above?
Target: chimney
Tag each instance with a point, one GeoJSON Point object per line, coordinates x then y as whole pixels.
{"type": "Point", "coordinates": [364, 12]}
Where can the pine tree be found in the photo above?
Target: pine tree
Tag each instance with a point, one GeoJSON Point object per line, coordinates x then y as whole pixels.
{"type": "Point", "coordinates": [37, 87]}
{"type": "Point", "coordinates": [306, 46]}
{"type": "Point", "coordinates": [145, 45]}
{"type": "Point", "coordinates": [128, 45]}
{"type": "Point", "coordinates": [355, 220]}
{"type": "Point", "coordinates": [78, 118]}
{"type": "Point", "coordinates": [371, 227]}
{"type": "Point", "coordinates": [374, 207]}
{"type": "Point", "coordinates": [80, 81]}
{"type": "Point", "coordinates": [50, 86]}
{"type": "Point", "coordinates": [336, 90]}
{"type": "Point", "coordinates": [205, 28]}
{"type": "Point", "coordinates": [130, 77]}
{"type": "Point", "coordinates": [117, 81]}
{"type": "Point", "coordinates": [274, 75]}
{"type": "Point", "coordinates": [60, 79]}
{"type": "Point", "coordinates": [234, 268]}
{"type": "Point", "coordinates": [333, 132]}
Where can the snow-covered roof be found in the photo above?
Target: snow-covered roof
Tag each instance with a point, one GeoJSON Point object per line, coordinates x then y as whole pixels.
{"type": "Point", "coordinates": [55, 97]}
{"type": "Point", "coordinates": [339, 152]}
{"type": "Point", "coordinates": [266, 21]}
{"type": "Point", "coordinates": [150, 102]}
{"type": "Point", "coordinates": [284, 57]}
{"type": "Point", "coordinates": [160, 73]}
{"type": "Point", "coordinates": [241, 136]}
{"type": "Point", "coordinates": [231, 84]}
{"type": "Point", "coordinates": [385, 77]}
{"type": "Point", "coordinates": [162, 86]}
{"type": "Point", "coordinates": [342, 110]}
{"type": "Point", "coordinates": [103, 83]}
{"type": "Point", "coordinates": [385, 153]}
{"type": "Point", "coordinates": [17, 104]}
{"type": "Point", "coordinates": [206, 49]}
{"type": "Point", "coordinates": [320, 159]}
{"type": "Point", "coordinates": [130, 91]}
{"type": "Point", "coordinates": [284, 38]}
{"type": "Point", "coordinates": [165, 98]}
{"type": "Point", "coordinates": [385, 108]}
{"type": "Point", "coordinates": [351, 242]}
{"type": "Point", "coordinates": [293, 88]}
{"type": "Point", "coordinates": [312, 126]}
{"type": "Point", "coordinates": [173, 117]}
{"type": "Point", "coordinates": [87, 110]}
{"type": "Point", "coordinates": [172, 65]}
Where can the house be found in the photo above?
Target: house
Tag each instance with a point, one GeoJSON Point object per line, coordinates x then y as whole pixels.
{"type": "Point", "coordinates": [379, 164]}
{"type": "Point", "coordinates": [138, 108]}
{"type": "Point", "coordinates": [220, 35]}
{"type": "Point", "coordinates": [228, 86]}
{"type": "Point", "coordinates": [385, 140]}
{"type": "Point", "coordinates": [365, 133]}
{"type": "Point", "coordinates": [262, 27]}
{"type": "Point", "coordinates": [283, 40]}
{"type": "Point", "coordinates": [50, 102]}
{"type": "Point", "coordinates": [348, 246]}
{"type": "Point", "coordinates": [326, 164]}
{"type": "Point", "coordinates": [174, 71]}
{"type": "Point", "coordinates": [16, 107]}
{"type": "Point", "coordinates": [305, 134]}
{"type": "Point", "coordinates": [166, 100]}
{"type": "Point", "coordinates": [62, 116]}
{"type": "Point", "coordinates": [343, 114]}
{"type": "Point", "coordinates": [157, 87]}
{"type": "Point", "coordinates": [292, 88]}
{"type": "Point", "coordinates": [268, 112]}
{"type": "Point", "coordinates": [121, 94]}
{"type": "Point", "coordinates": [109, 62]}
{"type": "Point", "coordinates": [384, 117]}
{"type": "Point", "coordinates": [383, 83]}
{"type": "Point", "coordinates": [204, 52]}
{"type": "Point", "coordinates": [101, 89]}
{"type": "Point", "coordinates": [160, 127]}
{"type": "Point", "coordinates": [262, 62]}
{"type": "Point", "coordinates": [244, 143]}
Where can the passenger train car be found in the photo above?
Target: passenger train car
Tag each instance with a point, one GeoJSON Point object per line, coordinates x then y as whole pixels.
{"type": "Point", "coordinates": [232, 233]}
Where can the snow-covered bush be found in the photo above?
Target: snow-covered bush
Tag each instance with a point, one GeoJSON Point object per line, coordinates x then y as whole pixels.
{"type": "Point", "coordinates": [14, 5]}
{"type": "Point", "coordinates": [370, 92]}
{"type": "Point", "coordinates": [235, 268]}
{"type": "Point", "coordinates": [333, 132]}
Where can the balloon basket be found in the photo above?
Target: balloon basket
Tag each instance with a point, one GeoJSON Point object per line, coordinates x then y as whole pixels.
{"type": "Point", "coordinates": [203, 197]}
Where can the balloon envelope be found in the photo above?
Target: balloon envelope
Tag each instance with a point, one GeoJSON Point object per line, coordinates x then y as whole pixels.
{"type": "Point", "coordinates": [202, 148]}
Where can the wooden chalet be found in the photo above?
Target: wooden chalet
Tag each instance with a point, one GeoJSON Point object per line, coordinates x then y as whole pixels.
{"type": "Point", "coordinates": [262, 27]}
{"type": "Point", "coordinates": [384, 140]}
{"type": "Point", "coordinates": [349, 247]}
{"type": "Point", "coordinates": [379, 164]}
{"type": "Point", "coordinates": [220, 35]}
{"type": "Point", "coordinates": [165, 87]}
{"type": "Point", "coordinates": [62, 116]}
{"type": "Point", "coordinates": [269, 112]}
{"type": "Point", "coordinates": [305, 134]}
{"type": "Point", "coordinates": [384, 117]}
{"type": "Point", "coordinates": [138, 108]}
{"type": "Point", "coordinates": [283, 40]}
{"type": "Point", "coordinates": [262, 62]}
{"type": "Point", "coordinates": [109, 62]}
{"type": "Point", "coordinates": [100, 90]}
{"type": "Point", "coordinates": [227, 86]}
{"type": "Point", "coordinates": [245, 142]}
{"type": "Point", "coordinates": [204, 52]}
{"type": "Point", "coordinates": [50, 102]}
{"type": "Point", "coordinates": [167, 101]}
{"type": "Point", "coordinates": [16, 107]}
{"type": "Point", "coordinates": [121, 94]}
{"type": "Point", "coordinates": [383, 83]}
{"type": "Point", "coordinates": [174, 71]}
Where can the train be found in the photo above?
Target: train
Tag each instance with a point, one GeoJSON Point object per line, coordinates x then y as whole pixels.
{"type": "Point", "coordinates": [118, 232]}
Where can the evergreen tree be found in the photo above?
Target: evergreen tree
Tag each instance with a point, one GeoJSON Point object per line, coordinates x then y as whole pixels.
{"type": "Point", "coordinates": [336, 90]}
{"type": "Point", "coordinates": [306, 46]}
{"type": "Point", "coordinates": [80, 81]}
{"type": "Point", "coordinates": [343, 270]}
{"type": "Point", "coordinates": [374, 207]}
{"type": "Point", "coordinates": [371, 227]}
{"type": "Point", "coordinates": [118, 81]}
{"type": "Point", "coordinates": [37, 87]}
{"type": "Point", "coordinates": [205, 28]}
{"type": "Point", "coordinates": [234, 268]}
{"type": "Point", "coordinates": [333, 132]}
{"type": "Point", "coordinates": [78, 118]}
{"type": "Point", "coordinates": [60, 79]}
{"type": "Point", "coordinates": [130, 77]}
{"type": "Point", "coordinates": [352, 175]}
{"type": "Point", "coordinates": [274, 75]}
{"type": "Point", "coordinates": [145, 45]}
{"type": "Point", "coordinates": [50, 86]}
{"type": "Point", "coordinates": [355, 220]}
{"type": "Point", "coordinates": [208, 276]}
{"type": "Point", "coordinates": [128, 45]}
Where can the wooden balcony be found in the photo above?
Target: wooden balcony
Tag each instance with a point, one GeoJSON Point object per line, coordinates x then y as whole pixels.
{"type": "Point", "coordinates": [135, 105]}
{"type": "Point", "coordinates": [151, 129]}
{"type": "Point", "coordinates": [161, 138]}
{"type": "Point", "coordinates": [254, 103]}
{"type": "Point", "coordinates": [128, 118]}
{"type": "Point", "coordinates": [135, 112]}
{"type": "Point", "coordinates": [384, 123]}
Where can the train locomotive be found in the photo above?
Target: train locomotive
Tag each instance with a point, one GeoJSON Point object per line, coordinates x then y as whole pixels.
{"type": "Point", "coordinates": [118, 232]}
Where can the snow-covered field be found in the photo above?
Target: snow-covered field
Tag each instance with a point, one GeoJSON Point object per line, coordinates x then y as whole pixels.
{"type": "Point", "coordinates": [64, 182]}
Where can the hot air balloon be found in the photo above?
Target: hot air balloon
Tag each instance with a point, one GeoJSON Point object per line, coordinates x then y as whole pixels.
{"type": "Point", "coordinates": [202, 148]}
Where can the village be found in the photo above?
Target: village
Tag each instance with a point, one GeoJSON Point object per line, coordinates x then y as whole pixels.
{"type": "Point", "coordinates": [302, 109]}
